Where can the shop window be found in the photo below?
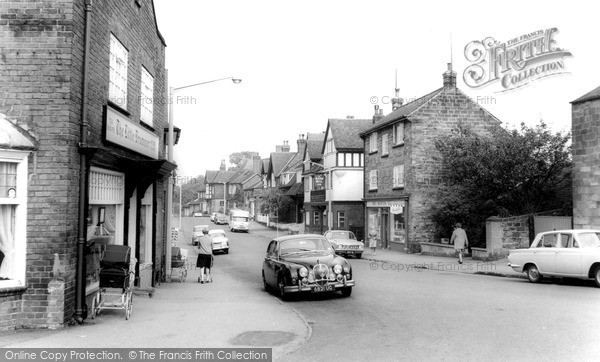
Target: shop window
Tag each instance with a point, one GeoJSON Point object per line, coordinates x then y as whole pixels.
{"type": "Point", "coordinates": [117, 84]}
{"type": "Point", "coordinates": [341, 219]}
{"type": "Point", "coordinates": [373, 142]}
{"type": "Point", "coordinates": [373, 180]}
{"type": "Point", "coordinates": [146, 227]}
{"type": "Point", "coordinates": [307, 218]}
{"type": "Point", "coordinates": [373, 223]}
{"type": "Point", "coordinates": [399, 227]}
{"type": "Point", "coordinates": [105, 221]}
{"type": "Point", "coordinates": [356, 160]}
{"type": "Point", "coordinates": [147, 98]}
{"type": "Point", "coordinates": [13, 218]}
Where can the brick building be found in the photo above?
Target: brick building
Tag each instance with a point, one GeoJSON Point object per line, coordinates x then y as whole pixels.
{"type": "Point", "coordinates": [85, 84]}
{"type": "Point", "coordinates": [401, 169]}
{"type": "Point", "coordinates": [586, 160]}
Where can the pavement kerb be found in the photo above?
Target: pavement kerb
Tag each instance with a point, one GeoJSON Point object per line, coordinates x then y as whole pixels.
{"type": "Point", "coordinates": [418, 260]}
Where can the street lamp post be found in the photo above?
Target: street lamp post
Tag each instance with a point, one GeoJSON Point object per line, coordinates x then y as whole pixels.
{"type": "Point", "coordinates": [330, 186]}
{"type": "Point", "coordinates": [172, 90]}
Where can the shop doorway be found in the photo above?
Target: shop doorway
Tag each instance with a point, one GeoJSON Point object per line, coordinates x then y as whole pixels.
{"type": "Point", "coordinates": [385, 230]}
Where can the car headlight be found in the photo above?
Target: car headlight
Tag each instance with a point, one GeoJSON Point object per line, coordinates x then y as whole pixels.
{"type": "Point", "coordinates": [303, 272]}
{"type": "Point", "coordinates": [337, 269]}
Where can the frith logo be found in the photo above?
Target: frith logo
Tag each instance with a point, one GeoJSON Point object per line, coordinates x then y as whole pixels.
{"type": "Point", "coordinates": [514, 63]}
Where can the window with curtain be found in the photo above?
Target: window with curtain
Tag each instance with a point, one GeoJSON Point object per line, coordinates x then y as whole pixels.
{"type": "Point", "coordinates": [12, 221]}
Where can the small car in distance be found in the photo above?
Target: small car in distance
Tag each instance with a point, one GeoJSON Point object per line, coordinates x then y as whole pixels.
{"type": "Point", "coordinates": [305, 263]}
{"type": "Point", "coordinates": [344, 242]}
{"type": "Point", "coordinates": [220, 242]}
{"type": "Point", "coordinates": [560, 253]}
{"type": "Point", "coordinates": [221, 219]}
{"type": "Point", "coordinates": [197, 214]}
{"type": "Point", "coordinates": [198, 232]}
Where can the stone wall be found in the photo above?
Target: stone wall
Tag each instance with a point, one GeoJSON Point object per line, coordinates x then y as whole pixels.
{"type": "Point", "coordinates": [586, 164]}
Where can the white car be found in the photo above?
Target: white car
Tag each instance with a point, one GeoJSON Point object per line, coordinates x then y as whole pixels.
{"type": "Point", "coordinates": [220, 242]}
{"type": "Point", "coordinates": [344, 243]}
{"type": "Point", "coordinates": [560, 253]}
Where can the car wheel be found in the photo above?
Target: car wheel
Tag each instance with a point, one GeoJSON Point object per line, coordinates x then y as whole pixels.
{"type": "Point", "coordinates": [226, 251]}
{"type": "Point", "coordinates": [358, 256]}
{"type": "Point", "coordinates": [533, 274]}
{"type": "Point", "coordinates": [597, 276]}
{"type": "Point", "coordinates": [346, 292]}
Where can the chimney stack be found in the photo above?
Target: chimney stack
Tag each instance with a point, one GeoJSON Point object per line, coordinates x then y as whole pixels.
{"type": "Point", "coordinates": [301, 144]}
{"type": "Point", "coordinates": [223, 166]}
{"type": "Point", "coordinates": [378, 114]}
{"type": "Point", "coordinates": [449, 77]}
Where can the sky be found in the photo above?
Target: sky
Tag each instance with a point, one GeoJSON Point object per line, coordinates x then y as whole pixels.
{"type": "Point", "coordinates": [302, 63]}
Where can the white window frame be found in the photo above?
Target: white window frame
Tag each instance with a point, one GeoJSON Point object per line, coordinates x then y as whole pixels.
{"type": "Point", "coordinates": [373, 178]}
{"type": "Point", "coordinates": [20, 203]}
{"type": "Point", "coordinates": [398, 176]}
{"type": "Point", "coordinates": [147, 98]}
{"type": "Point", "coordinates": [373, 142]}
{"type": "Point", "coordinates": [117, 84]}
{"type": "Point", "coordinates": [398, 133]}
{"type": "Point", "coordinates": [385, 146]}
{"type": "Point", "coordinates": [316, 218]}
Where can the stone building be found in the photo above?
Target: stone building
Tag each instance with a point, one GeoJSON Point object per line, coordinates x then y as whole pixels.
{"type": "Point", "coordinates": [84, 83]}
{"type": "Point", "coordinates": [586, 160]}
{"type": "Point", "coordinates": [401, 168]}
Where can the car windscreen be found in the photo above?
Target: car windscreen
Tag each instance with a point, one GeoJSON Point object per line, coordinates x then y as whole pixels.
{"type": "Point", "coordinates": [308, 244]}
{"type": "Point", "coordinates": [240, 219]}
{"type": "Point", "coordinates": [589, 240]}
{"type": "Point", "coordinates": [198, 229]}
{"type": "Point", "coordinates": [342, 235]}
{"type": "Point", "coordinates": [217, 235]}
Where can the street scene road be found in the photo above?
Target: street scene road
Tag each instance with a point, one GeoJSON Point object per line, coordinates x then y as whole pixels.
{"type": "Point", "coordinates": [396, 312]}
{"type": "Point", "coordinates": [417, 314]}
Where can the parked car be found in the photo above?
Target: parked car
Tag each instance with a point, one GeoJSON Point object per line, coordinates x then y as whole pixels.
{"type": "Point", "coordinates": [305, 263]}
{"type": "Point", "coordinates": [197, 214]}
{"type": "Point", "coordinates": [560, 253]}
{"type": "Point", "coordinates": [198, 232]}
{"type": "Point", "coordinates": [220, 242]}
{"type": "Point", "coordinates": [213, 217]}
{"type": "Point", "coordinates": [344, 242]}
{"type": "Point", "coordinates": [221, 219]}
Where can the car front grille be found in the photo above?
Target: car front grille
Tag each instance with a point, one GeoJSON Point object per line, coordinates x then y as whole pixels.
{"type": "Point", "coordinates": [320, 272]}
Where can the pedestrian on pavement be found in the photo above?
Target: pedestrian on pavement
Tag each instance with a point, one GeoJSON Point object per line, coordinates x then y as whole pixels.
{"type": "Point", "coordinates": [205, 259]}
{"type": "Point", "coordinates": [460, 241]}
{"type": "Point", "coordinates": [373, 238]}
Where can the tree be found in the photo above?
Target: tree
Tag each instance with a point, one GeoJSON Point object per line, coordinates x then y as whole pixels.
{"type": "Point", "coordinates": [239, 158]}
{"type": "Point", "coordinates": [510, 172]}
{"type": "Point", "coordinates": [276, 202]}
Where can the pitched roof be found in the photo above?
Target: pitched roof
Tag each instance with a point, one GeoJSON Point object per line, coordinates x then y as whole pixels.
{"type": "Point", "coordinates": [404, 111]}
{"type": "Point", "coordinates": [346, 132]}
{"type": "Point", "coordinates": [296, 189]}
{"type": "Point", "coordinates": [213, 177]}
{"type": "Point", "coordinates": [594, 94]}
{"type": "Point", "coordinates": [14, 137]}
{"type": "Point", "coordinates": [314, 145]}
{"type": "Point", "coordinates": [279, 160]}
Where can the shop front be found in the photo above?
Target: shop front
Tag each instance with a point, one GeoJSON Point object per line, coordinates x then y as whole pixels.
{"type": "Point", "coordinates": [387, 221]}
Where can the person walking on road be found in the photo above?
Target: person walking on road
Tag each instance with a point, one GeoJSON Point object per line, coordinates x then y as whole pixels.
{"type": "Point", "coordinates": [460, 241]}
{"type": "Point", "coordinates": [205, 259]}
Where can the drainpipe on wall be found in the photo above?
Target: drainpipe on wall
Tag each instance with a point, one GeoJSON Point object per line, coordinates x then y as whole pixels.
{"type": "Point", "coordinates": [80, 305]}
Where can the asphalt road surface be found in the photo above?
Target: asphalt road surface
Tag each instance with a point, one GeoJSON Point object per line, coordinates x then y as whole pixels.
{"type": "Point", "coordinates": [424, 314]}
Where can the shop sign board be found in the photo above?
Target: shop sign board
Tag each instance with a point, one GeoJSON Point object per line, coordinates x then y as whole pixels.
{"type": "Point", "coordinates": [122, 131]}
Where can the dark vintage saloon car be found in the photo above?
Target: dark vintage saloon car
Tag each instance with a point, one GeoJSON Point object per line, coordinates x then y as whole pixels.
{"type": "Point", "coordinates": [305, 263]}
